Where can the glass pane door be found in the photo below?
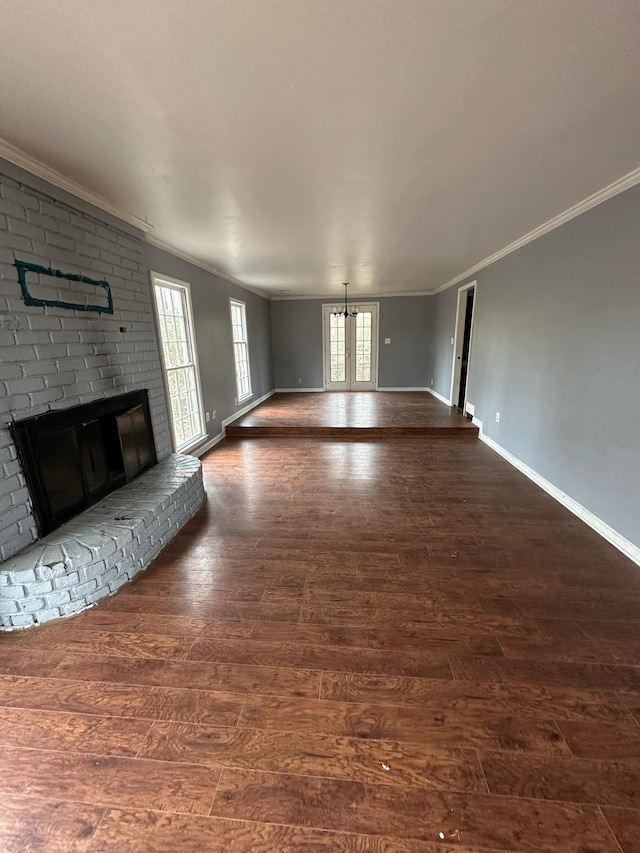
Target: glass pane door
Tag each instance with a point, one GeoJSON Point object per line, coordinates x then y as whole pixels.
{"type": "Point", "coordinates": [363, 347]}
{"type": "Point", "coordinates": [337, 347]}
{"type": "Point", "coordinates": [351, 349]}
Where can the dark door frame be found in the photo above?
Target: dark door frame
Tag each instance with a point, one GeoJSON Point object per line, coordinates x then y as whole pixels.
{"type": "Point", "coordinates": [462, 345]}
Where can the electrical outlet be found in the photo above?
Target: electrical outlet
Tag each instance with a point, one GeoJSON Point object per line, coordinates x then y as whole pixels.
{"type": "Point", "coordinates": [451, 341]}
{"type": "Point", "coordinates": [497, 417]}
{"type": "Point", "coordinates": [299, 380]}
{"type": "Point", "coordinates": [213, 413]}
{"type": "Point", "coordinates": [206, 414]}
{"type": "Point", "coordinates": [387, 340]}
{"type": "Point", "coordinates": [432, 380]}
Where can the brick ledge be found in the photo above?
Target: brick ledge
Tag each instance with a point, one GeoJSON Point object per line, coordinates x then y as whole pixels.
{"type": "Point", "coordinates": [97, 552]}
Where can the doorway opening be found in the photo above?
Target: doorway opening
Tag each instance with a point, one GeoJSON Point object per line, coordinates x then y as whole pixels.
{"type": "Point", "coordinates": [351, 348]}
{"type": "Point", "coordinates": [462, 346]}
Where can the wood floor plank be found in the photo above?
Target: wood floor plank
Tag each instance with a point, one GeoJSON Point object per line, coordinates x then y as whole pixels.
{"type": "Point", "coordinates": [424, 664]}
{"type": "Point", "coordinates": [415, 638]}
{"type": "Point", "coordinates": [573, 650]}
{"type": "Point", "coordinates": [318, 556]}
{"type": "Point", "coordinates": [446, 619]}
{"type": "Point", "coordinates": [495, 822]}
{"type": "Point", "coordinates": [60, 731]}
{"type": "Point", "coordinates": [522, 700]}
{"type": "Point", "coordinates": [121, 700]}
{"type": "Point", "coordinates": [590, 675]}
{"type": "Point", "coordinates": [599, 608]}
{"type": "Point", "coordinates": [47, 825]}
{"type": "Point", "coordinates": [597, 740]}
{"type": "Point", "coordinates": [191, 675]}
{"type": "Point", "coordinates": [171, 626]}
{"type": "Point", "coordinates": [159, 832]}
{"type": "Point", "coordinates": [190, 587]}
{"type": "Point", "coordinates": [210, 608]}
{"type": "Point", "coordinates": [385, 722]}
{"type": "Point", "coordinates": [18, 661]}
{"type": "Point", "coordinates": [580, 594]}
{"type": "Point", "coordinates": [611, 632]}
{"type": "Point", "coordinates": [108, 780]}
{"type": "Point", "coordinates": [632, 702]}
{"type": "Point", "coordinates": [229, 546]}
{"type": "Point", "coordinates": [612, 783]}
{"type": "Point", "coordinates": [382, 762]}
{"type": "Point", "coordinates": [115, 644]}
{"type": "Point", "coordinates": [215, 571]}
{"type": "Point", "coordinates": [444, 599]}
{"type": "Point", "coordinates": [625, 824]}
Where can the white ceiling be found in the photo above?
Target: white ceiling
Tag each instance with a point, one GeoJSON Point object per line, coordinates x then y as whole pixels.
{"type": "Point", "coordinates": [294, 144]}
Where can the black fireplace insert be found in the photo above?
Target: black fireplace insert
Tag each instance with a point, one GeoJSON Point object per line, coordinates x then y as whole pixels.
{"type": "Point", "coordinates": [74, 457]}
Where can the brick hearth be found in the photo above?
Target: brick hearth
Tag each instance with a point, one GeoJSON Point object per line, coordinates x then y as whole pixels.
{"type": "Point", "coordinates": [98, 551]}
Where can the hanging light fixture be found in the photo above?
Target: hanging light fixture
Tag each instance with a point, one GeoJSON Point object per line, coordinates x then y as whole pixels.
{"type": "Point", "coordinates": [346, 313]}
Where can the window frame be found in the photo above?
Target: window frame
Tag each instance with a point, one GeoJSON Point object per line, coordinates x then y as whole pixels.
{"type": "Point", "coordinates": [185, 289]}
{"type": "Point", "coordinates": [238, 303]}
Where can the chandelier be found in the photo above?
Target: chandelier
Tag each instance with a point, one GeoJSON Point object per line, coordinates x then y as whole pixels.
{"type": "Point", "coordinates": [346, 313]}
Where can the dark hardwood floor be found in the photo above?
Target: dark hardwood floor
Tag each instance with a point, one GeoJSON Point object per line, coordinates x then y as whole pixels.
{"type": "Point", "coordinates": [395, 647]}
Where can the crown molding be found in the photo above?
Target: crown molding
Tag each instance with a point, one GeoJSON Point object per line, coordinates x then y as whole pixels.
{"type": "Point", "coordinates": [624, 183]}
{"type": "Point", "coordinates": [204, 265]}
{"type": "Point", "coordinates": [30, 164]}
{"type": "Point", "coordinates": [360, 297]}
{"type": "Point", "coordinates": [41, 170]}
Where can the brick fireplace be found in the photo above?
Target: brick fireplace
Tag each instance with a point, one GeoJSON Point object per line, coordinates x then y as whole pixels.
{"type": "Point", "coordinates": [54, 358]}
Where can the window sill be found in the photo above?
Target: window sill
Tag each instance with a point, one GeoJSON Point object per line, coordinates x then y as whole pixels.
{"type": "Point", "coordinates": [198, 440]}
{"type": "Point", "coordinates": [244, 399]}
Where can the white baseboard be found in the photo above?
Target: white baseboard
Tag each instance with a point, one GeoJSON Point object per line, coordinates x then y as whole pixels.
{"type": "Point", "coordinates": [442, 399]}
{"type": "Point", "coordinates": [612, 536]}
{"type": "Point", "coordinates": [299, 390]}
{"type": "Point", "coordinates": [245, 409]}
{"type": "Point", "coordinates": [403, 389]}
{"type": "Point", "coordinates": [200, 451]}
{"type": "Point", "coordinates": [204, 448]}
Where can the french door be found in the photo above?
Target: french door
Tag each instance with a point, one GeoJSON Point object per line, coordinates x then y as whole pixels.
{"type": "Point", "coordinates": [351, 349]}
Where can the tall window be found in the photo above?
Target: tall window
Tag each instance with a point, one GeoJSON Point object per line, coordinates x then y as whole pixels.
{"type": "Point", "coordinates": [240, 349]}
{"type": "Point", "coordinates": [175, 322]}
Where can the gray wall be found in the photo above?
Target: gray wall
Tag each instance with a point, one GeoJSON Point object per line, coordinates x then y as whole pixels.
{"type": "Point", "coordinates": [210, 299]}
{"type": "Point", "coordinates": [296, 327]}
{"type": "Point", "coordinates": [556, 350]}
{"type": "Point", "coordinates": [404, 363]}
{"type": "Point", "coordinates": [444, 321]}
{"type": "Point", "coordinates": [407, 361]}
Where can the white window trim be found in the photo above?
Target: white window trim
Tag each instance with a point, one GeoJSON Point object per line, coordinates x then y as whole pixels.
{"type": "Point", "coordinates": [160, 278]}
{"type": "Point", "coordinates": [243, 305]}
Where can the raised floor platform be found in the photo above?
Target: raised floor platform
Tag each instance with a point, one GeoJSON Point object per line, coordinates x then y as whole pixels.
{"type": "Point", "coordinates": [353, 415]}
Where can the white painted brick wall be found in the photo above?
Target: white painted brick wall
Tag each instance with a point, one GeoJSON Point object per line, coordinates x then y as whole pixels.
{"type": "Point", "coordinates": [54, 358]}
{"type": "Point", "coordinates": [97, 552]}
